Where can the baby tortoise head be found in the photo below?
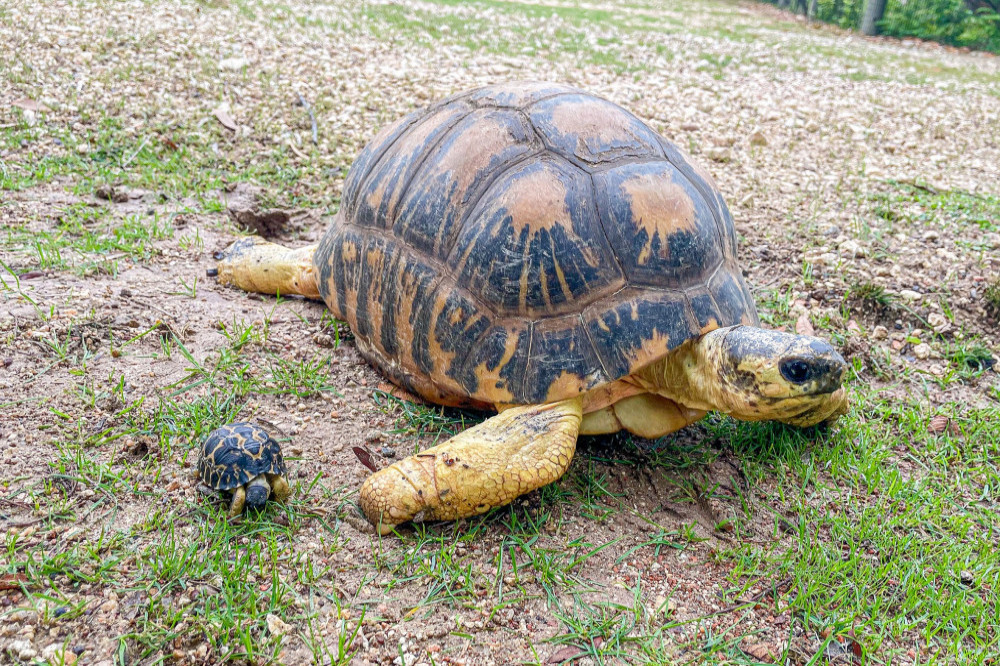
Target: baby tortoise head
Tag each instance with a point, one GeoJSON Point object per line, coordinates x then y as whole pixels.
{"type": "Point", "coordinates": [257, 494]}
{"type": "Point", "coordinates": [771, 375]}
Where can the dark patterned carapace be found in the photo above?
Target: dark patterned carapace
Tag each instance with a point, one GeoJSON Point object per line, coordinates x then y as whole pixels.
{"type": "Point", "coordinates": [524, 243]}
{"type": "Point", "coordinates": [234, 454]}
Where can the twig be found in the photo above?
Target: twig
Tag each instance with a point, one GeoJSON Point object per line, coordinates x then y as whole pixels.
{"type": "Point", "coordinates": [142, 145]}
{"type": "Point", "coordinates": [312, 117]}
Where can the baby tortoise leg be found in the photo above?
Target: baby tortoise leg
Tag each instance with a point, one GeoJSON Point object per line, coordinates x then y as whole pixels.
{"type": "Point", "coordinates": [254, 264]}
{"type": "Point", "coordinates": [488, 465]}
{"type": "Point", "coordinates": [280, 487]}
{"type": "Point", "coordinates": [238, 502]}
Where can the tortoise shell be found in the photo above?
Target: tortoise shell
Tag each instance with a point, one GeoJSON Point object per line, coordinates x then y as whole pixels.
{"type": "Point", "coordinates": [524, 243]}
{"type": "Point", "coordinates": [235, 453]}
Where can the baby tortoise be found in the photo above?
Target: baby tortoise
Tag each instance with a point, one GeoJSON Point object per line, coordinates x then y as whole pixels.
{"type": "Point", "coordinates": [243, 458]}
{"type": "Point", "coordinates": [537, 250]}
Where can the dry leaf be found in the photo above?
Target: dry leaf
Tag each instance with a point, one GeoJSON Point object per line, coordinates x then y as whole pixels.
{"type": "Point", "coordinates": [29, 105]}
{"type": "Point", "coordinates": [13, 581]}
{"type": "Point", "coordinates": [853, 327]}
{"type": "Point", "coordinates": [938, 424]}
{"type": "Point", "coordinates": [803, 326]}
{"type": "Point", "coordinates": [222, 115]}
{"type": "Point", "coordinates": [564, 654]}
{"type": "Point", "coordinates": [761, 651]}
{"type": "Point", "coordinates": [365, 458]}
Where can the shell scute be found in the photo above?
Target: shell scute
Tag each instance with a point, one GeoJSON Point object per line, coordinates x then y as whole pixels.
{"type": "Point", "coordinates": [534, 245]}
{"type": "Point", "coordinates": [661, 227]}
{"type": "Point", "coordinates": [518, 94]}
{"type": "Point", "coordinates": [497, 363]}
{"type": "Point", "coordinates": [637, 328]}
{"type": "Point", "coordinates": [592, 130]}
{"type": "Point", "coordinates": [375, 202]}
{"type": "Point", "coordinates": [562, 362]}
{"type": "Point", "coordinates": [455, 171]}
{"type": "Point", "coordinates": [703, 182]}
{"type": "Point", "coordinates": [734, 299]}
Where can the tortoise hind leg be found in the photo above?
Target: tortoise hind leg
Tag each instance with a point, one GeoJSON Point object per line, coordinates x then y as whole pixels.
{"type": "Point", "coordinates": [254, 264]}
{"type": "Point", "coordinates": [488, 465]}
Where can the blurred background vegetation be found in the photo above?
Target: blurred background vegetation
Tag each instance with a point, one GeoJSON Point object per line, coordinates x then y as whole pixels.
{"type": "Point", "coordinates": [970, 23]}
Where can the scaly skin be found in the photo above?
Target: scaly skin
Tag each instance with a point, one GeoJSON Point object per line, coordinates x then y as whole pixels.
{"type": "Point", "coordinates": [238, 502]}
{"type": "Point", "coordinates": [279, 487]}
{"type": "Point", "coordinates": [736, 370]}
{"type": "Point", "coordinates": [254, 264]}
{"type": "Point", "coordinates": [488, 465]}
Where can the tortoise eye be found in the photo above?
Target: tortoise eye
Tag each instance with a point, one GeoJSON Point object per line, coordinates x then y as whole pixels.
{"type": "Point", "coordinates": [795, 370]}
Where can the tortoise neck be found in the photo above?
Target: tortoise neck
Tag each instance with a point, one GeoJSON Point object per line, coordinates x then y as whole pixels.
{"type": "Point", "coordinates": [689, 375]}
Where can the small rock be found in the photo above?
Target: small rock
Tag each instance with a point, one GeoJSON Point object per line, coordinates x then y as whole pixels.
{"type": "Point", "coordinates": [910, 295]}
{"type": "Point", "coordinates": [388, 452]}
{"type": "Point", "coordinates": [322, 339]}
{"type": "Point", "coordinates": [967, 578]}
{"type": "Point", "coordinates": [277, 626]}
{"type": "Point", "coordinates": [111, 193]}
{"type": "Point", "coordinates": [938, 322]}
{"type": "Point", "coordinates": [922, 351]}
{"type": "Point", "coordinates": [880, 332]}
{"type": "Point", "coordinates": [718, 154]}
{"type": "Point", "coordinates": [853, 248]}
{"type": "Point", "coordinates": [23, 649]}
{"type": "Point", "coordinates": [689, 127]}
{"type": "Point", "coordinates": [803, 326]}
{"type": "Point", "coordinates": [757, 138]}
{"type": "Point", "coordinates": [54, 654]}
{"type": "Point", "coordinates": [233, 64]}
{"type": "Point", "coordinates": [931, 236]}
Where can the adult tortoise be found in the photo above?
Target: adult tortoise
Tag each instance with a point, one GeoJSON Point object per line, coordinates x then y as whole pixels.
{"type": "Point", "coordinates": [538, 250]}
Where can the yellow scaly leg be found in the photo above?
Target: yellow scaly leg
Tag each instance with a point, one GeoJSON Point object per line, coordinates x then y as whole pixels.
{"type": "Point", "coordinates": [488, 465]}
{"type": "Point", "coordinates": [254, 264]}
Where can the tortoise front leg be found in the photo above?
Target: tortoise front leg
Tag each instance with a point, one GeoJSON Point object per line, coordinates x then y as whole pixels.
{"type": "Point", "coordinates": [280, 487]}
{"type": "Point", "coordinates": [254, 264]}
{"type": "Point", "coordinates": [488, 465]}
{"type": "Point", "coordinates": [238, 501]}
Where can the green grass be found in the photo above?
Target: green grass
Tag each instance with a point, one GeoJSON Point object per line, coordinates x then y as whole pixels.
{"type": "Point", "coordinates": [992, 295]}
{"type": "Point", "coordinates": [879, 527]}
{"type": "Point", "coordinates": [904, 513]}
{"type": "Point", "coordinates": [174, 163]}
{"type": "Point", "coordinates": [918, 205]}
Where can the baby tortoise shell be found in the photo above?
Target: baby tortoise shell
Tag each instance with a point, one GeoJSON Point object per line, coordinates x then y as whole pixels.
{"type": "Point", "coordinates": [234, 454]}
{"type": "Point", "coordinates": [525, 243]}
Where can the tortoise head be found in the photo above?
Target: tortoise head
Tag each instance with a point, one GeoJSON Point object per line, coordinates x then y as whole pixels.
{"type": "Point", "coordinates": [258, 490]}
{"type": "Point", "coordinates": [769, 375]}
